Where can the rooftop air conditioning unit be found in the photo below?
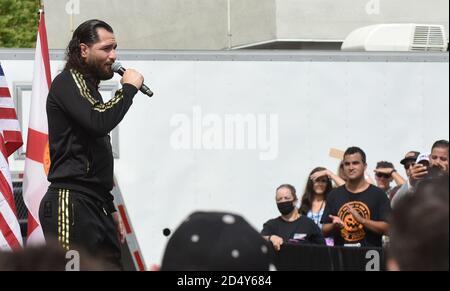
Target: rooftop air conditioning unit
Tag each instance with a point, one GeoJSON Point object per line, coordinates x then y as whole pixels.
{"type": "Point", "coordinates": [397, 37]}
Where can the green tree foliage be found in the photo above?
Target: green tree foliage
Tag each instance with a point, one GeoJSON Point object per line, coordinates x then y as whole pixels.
{"type": "Point", "coordinates": [18, 23]}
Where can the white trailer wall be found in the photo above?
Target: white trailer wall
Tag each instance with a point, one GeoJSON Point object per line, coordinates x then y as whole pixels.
{"type": "Point", "coordinates": [299, 106]}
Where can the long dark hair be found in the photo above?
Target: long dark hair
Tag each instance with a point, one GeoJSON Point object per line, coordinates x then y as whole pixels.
{"type": "Point", "coordinates": [85, 33]}
{"type": "Point", "coordinates": [308, 195]}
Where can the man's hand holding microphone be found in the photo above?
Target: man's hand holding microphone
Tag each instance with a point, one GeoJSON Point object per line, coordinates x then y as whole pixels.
{"type": "Point", "coordinates": [132, 77]}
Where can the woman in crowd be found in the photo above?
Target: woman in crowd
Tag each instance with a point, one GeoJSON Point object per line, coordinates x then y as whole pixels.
{"type": "Point", "coordinates": [291, 227]}
{"type": "Point", "coordinates": [318, 186]}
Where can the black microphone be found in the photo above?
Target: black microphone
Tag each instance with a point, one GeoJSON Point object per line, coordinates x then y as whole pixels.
{"type": "Point", "coordinates": [117, 67]}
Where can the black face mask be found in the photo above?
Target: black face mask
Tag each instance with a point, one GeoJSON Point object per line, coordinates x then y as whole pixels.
{"type": "Point", "coordinates": [285, 207]}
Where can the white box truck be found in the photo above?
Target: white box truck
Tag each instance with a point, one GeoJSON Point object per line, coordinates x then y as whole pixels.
{"type": "Point", "coordinates": [225, 128]}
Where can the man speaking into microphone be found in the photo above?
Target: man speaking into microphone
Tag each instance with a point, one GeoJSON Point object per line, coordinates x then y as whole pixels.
{"type": "Point", "coordinates": [78, 209]}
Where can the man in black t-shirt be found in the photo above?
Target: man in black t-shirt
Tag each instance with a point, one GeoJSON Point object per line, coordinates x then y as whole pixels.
{"type": "Point", "coordinates": [356, 213]}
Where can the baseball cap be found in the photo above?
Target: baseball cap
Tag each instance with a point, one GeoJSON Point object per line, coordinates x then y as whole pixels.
{"type": "Point", "coordinates": [217, 241]}
{"type": "Point", "coordinates": [423, 157]}
{"type": "Point", "coordinates": [410, 156]}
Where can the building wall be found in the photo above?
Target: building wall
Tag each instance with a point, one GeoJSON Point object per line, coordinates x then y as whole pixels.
{"type": "Point", "coordinates": [167, 24]}
{"type": "Point", "coordinates": [334, 20]}
{"type": "Point", "coordinates": [221, 24]}
{"type": "Point", "coordinates": [252, 21]}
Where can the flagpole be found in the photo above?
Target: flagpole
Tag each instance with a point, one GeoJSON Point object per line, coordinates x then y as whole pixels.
{"type": "Point", "coordinates": [40, 10]}
{"type": "Point", "coordinates": [35, 183]}
{"type": "Point", "coordinates": [41, 7]}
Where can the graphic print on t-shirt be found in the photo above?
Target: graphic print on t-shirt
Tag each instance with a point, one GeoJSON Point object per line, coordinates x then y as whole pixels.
{"type": "Point", "coordinates": [353, 231]}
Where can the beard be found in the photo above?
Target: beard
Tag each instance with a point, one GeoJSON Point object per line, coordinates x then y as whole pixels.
{"type": "Point", "coordinates": [100, 70]}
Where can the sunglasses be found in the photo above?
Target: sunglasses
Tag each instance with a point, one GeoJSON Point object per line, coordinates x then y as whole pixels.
{"type": "Point", "coordinates": [321, 181]}
{"type": "Point", "coordinates": [409, 165]}
{"type": "Point", "coordinates": [382, 175]}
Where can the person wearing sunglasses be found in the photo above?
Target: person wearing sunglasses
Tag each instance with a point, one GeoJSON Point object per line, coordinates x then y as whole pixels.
{"type": "Point", "coordinates": [408, 162]}
{"type": "Point", "coordinates": [385, 173]}
{"type": "Point", "coordinates": [438, 165]}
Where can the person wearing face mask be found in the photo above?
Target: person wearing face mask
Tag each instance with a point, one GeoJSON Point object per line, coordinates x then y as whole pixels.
{"type": "Point", "coordinates": [291, 227]}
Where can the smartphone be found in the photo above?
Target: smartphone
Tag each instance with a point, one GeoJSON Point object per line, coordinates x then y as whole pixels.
{"type": "Point", "coordinates": [425, 163]}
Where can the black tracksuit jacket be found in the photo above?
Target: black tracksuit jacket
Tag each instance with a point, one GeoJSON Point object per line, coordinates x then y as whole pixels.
{"type": "Point", "coordinates": [79, 123]}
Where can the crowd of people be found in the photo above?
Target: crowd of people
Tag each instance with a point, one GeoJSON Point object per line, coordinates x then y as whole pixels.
{"type": "Point", "coordinates": [349, 209]}
{"type": "Point", "coordinates": [345, 209]}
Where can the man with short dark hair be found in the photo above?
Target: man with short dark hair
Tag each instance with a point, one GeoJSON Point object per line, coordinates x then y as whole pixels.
{"type": "Point", "coordinates": [356, 213]}
{"type": "Point", "coordinates": [439, 155]}
{"type": "Point", "coordinates": [78, 207]}
{"type": "Point", "coordinates": [438, 159]}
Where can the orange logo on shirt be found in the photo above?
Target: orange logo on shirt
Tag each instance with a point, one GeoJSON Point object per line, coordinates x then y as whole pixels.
{"type": "Point", "coordinates": [46, 159]}
{"type": "Point", "coordinates": [353, 231]}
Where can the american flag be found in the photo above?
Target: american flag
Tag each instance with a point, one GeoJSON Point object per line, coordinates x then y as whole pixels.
{"type": "Point", "coordinates": [10, 141]}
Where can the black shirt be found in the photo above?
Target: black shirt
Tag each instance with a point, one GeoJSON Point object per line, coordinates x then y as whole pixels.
{"type": "Point", "coordinates": [79, 123]}
{"type": "Point", "coordinates": [302, 230]}
{"type": "Point", "coordinates": [371, 204]}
